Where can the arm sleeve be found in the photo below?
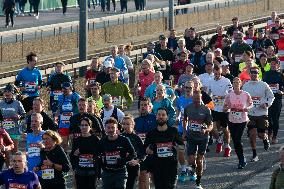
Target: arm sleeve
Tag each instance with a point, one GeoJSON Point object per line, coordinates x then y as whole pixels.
{"type": "Point", "coordinates": [72, 157]}
{"type": "Point", "coordinates": [40, 82]}
{"type": "Point", "coordinates": [21, 109]}
{"type": "Point", "coordinates": [140, 151]}
{"type": "Point", "coordinates": [64, 161]}
{"type": "Point", "coordinates": [130, 150]}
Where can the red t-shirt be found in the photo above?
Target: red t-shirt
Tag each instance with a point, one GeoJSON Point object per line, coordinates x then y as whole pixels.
{"type": "Point", "coordinates": [145, 81]}
{"type": "Point", "coordinates": [91, 76]}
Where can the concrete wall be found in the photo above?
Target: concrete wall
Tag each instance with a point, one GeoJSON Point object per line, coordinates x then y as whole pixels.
{"type": "Point", "coordinates": [145, 29]}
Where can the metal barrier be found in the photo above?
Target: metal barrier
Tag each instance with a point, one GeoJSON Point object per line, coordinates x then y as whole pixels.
{"type": "Point", "coordinates": [72, 65]}
{"type": "Point", "coordinates": [37, 38]}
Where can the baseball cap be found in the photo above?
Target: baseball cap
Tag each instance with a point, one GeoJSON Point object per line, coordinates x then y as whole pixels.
{"type": "Point", "coordinates": [225, 63]}
{"type": "Point", "coordinates": [107, 97]}
{"type": "Point", "coordinates": [60, 62]}
{"type": "Point", "coordinates": [107, 64]}
{"type": "Point", "coordinates": [9, 88]}
{"type": "Point", "coordinates": [218, 49]}
{"type": "Point", "coordinates": [66, 85]}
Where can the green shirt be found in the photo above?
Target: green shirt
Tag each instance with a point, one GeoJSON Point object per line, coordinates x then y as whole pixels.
{"type": "Point", "coordinates": [99, 102]}
{"type": "Point", "coordinates": [118, 90]}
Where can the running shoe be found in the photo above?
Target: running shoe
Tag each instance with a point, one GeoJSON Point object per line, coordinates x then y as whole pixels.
{"type": "Point", "coordinates": [219, 148]}
{"type": "Point", "coordinates": [242, 165]}
{"type": "Point", "coordinates": [227, 151]}
{"type": "Point", "coordinates": [182, 176]}
{"type": "Point", "coordinates": [204, 164]}
{"type": "Point", "coordinates": [199, 187]}
{"type": "Point", "coordinates": [266, 144]}
{"type": "Point", "coordinates": [192, 176]}
{"type": "Point", "coordinates": [254, 159]}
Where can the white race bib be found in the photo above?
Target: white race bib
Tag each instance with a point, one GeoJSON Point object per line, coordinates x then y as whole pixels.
{"type": "Point", "coordinates": [17, 186]}
{"type": "Point", "coordinates": [236, 115]}
{"type": "Point", "coordinates": [117, 100]}
{"type": "Point", "coordinates": [238, 57]}
{"type": "Point", "coordinates": [218, 100]}
{"type": "Point", "coordinates": [111, 157]}
{"type": "Point", "coordinates": [86, 160]}
{"type": "Point", "coordinates": [30, 86]}
{"type": "Point", "coordinates": [56, 94]}
{"type": "Point", "coordinates": [65, 116]}
{"type": "Point", "coordinates": [255, 101]}
{"type": "Point", "coordinates": [67, 107]}
{"type": "Point", "coordinates": [164, 149]}
{"type": "Point", "coordinates": [195, 126]}
{"type": "Point", "coordinates": [47, 173]}
{"type": "Point", "coordinates": [8, 123]}
{"type": "Point", "coordinates": [274, 87]}
{"type": "Point", "coordinates": [33, 150]}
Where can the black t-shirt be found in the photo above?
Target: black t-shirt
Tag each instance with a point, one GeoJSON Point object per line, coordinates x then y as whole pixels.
{"type": "Point", "coordinates": [115, 153]}
{"type": "Point", "coordinates": [137, 143]}
{"type": "Point", "coordinates": [163, 143]}
{"type": "Point", "coordinates": [75, 123]}
{"type": "Point", "coordinates": [167, 54]}
{"type": "Point", "coordinates": [88, 157]}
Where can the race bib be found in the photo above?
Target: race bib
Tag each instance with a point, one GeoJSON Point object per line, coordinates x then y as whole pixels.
{"type": "Point", "coordinates": [275, 36]}
{"type": "Point", "coordinates": [142, 136]}
{"type": "Point", "coordinates": [56, 94]}
{"type": "Point", "coordinates": [65, 117]}
{"type": "Point", "coordinates": [236, 115]}
{"type": "Point", "coordinates": [67, 107]}
{"type": "Point", "coordinates": [86, 160]}
{"type": "Point", "coordinates": [30, 86]}
{"type": "Point", "coordinates": [117, 100]}
{"type": "Point", "coordinates": [218, 100]}
{"type": "Point", "coordinates": [164, 149]}
{"type": "Point", "coordinates": [255, 101]}
{"type": "Point", "coordinates": [34, 150]}
{"type": "Point", "coordinates": [111, 157]}
{"type": "Point", "coordinates": [195, 126]}
{"type": "Point", "coordinates": [238, 57]}
{"type": "Point", "coordinates": [92, 81]}
{"type": "Point", "coordinates": [47, 173]}
{"type": "Point", "coordinates": [8, 123]}
{"type": "Point", "coordinates": [17, 186]}
{"type": "Point", "coordinates": [274, 87]}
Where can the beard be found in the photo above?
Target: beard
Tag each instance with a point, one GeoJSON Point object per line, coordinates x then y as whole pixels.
{"type": "Point", "coordinates": [161, 122]}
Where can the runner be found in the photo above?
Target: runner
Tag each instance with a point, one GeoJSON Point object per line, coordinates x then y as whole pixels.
{"type": "Point", "coordinates": [119, 91]}
{"type": "Point", "coordinates": [12, 111]}
{"type": "Point", "coordinates": [109, 110]}
{"type": "Point", "coordinates": [161, 101]}
{"type": "Point", "coordinates": [67, 106]}
{"type": "Point", "coordinates": [219, 87]}
{"type": "Point", "coordinates": [34, 142]}
{"type": "Point", "coordinates": [54, 83]}
{"type": "Point", "coordinates": [6, 145]}
{"type": "Point", "coordinates": [75, 129]}
{"type": "Point", "coordinates": [95, 94]}
{"type": "Point", "coordinates": [48, 123]}
{"type": "Point", "coordinates": [116, 151]}
{"type": "Point", "coordinates": [205, 78]}
{"type": "Point", "coordinates": [29, 80]}
{"type": "Point", "coordinates": [275, 80]}
{"type": "Point", "coordinates": [262, 97]}
{"type": "Point", "coordinates": [161, 143]}
{"type": "Point", "coordinates": [197, 124]}
{"type": "Point", "coordinates": [151, 89]}
{"type": "Point", "coordinates": [84, 157]}
{"type": "Point", "coordinates": [238, 102]}
{"type": "Point", "coordinates": [144, 124]}
{"type": "Point", "coordinates": [18, 176]}
{"type": "Point", "coordinates": [53, 162]}
{"type": "Point", "coordinates": [91, 74]}
{"type": "Point", "coordinates": [181, 103]}
{"type": "Point", "coordinates": [134, 164]}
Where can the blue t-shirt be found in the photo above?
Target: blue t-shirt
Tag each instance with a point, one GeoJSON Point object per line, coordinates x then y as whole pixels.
{"type": "Point", "coordinates": [144, 124]}
{"type": "Point", "coordinates": [33, 150]}
{"type": "Point", "coordinates": [27, 180]}
{"type": "Point", "coordinates": [30, 79]}
{"type": "Point", "coordinates": [120, 64]}
{"type": "Point", "coordinates": [68, 106]}
{"type": "Point", "coordinates": [151, 91]}
{"type": "Point", "coordinates": [181, 103]}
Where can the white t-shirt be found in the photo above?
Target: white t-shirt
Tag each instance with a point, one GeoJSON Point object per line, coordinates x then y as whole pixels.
{"type": "Point", "coordinates": [218, 90]}
{"type": "Point", "coordinates": [205, 80]}
{"type": "Point", "coordinates": [108, 113]}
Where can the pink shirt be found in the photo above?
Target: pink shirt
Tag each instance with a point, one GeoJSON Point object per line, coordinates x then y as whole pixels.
{"type": "Point", "coordinates": [145, 81]}
{"type": "Point", "coordinates": [237, 104]}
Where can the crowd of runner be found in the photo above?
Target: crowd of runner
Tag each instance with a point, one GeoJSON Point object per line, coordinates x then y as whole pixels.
{"type": "Point", "coordinates": [191, 94]}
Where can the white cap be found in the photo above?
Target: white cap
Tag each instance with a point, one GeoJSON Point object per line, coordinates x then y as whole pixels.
{"type": "Point", "coordinates": [218, 49]}
{"type": "Point", "coordinates": [108, 64]}
{"type": "Point", "coordinates": [225, 63]}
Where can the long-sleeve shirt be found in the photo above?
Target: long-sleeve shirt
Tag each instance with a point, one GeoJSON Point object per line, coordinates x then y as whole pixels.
{"type": "Point", "coordinates": [48, 123]}
{"type": "Point", "coordinates": [115, 153]}
{"type": "Point", "coordinates": [118, 89]}
{"type": "Point", "coordinates": [260, 94]}
{"type": "Point", "coordinates": [137, 143]}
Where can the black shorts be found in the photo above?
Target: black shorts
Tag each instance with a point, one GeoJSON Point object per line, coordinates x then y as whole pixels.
{"type": "Point", "coordinates": [147, 164]}
{"type": "Point", "coordinates": [258, 122]}
{"type": "Point", "coordinates": [196, 146]}
{"type": "Point", "coordinates": [222, 117]}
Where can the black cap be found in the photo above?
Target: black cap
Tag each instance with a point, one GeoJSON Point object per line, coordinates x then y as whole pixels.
{"type": "Point", "coordinates": [9, 88]}
{"type": "Point", "coordinates": [66, 85]}
{"type": "Point", "coordinates": [162, 37]}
